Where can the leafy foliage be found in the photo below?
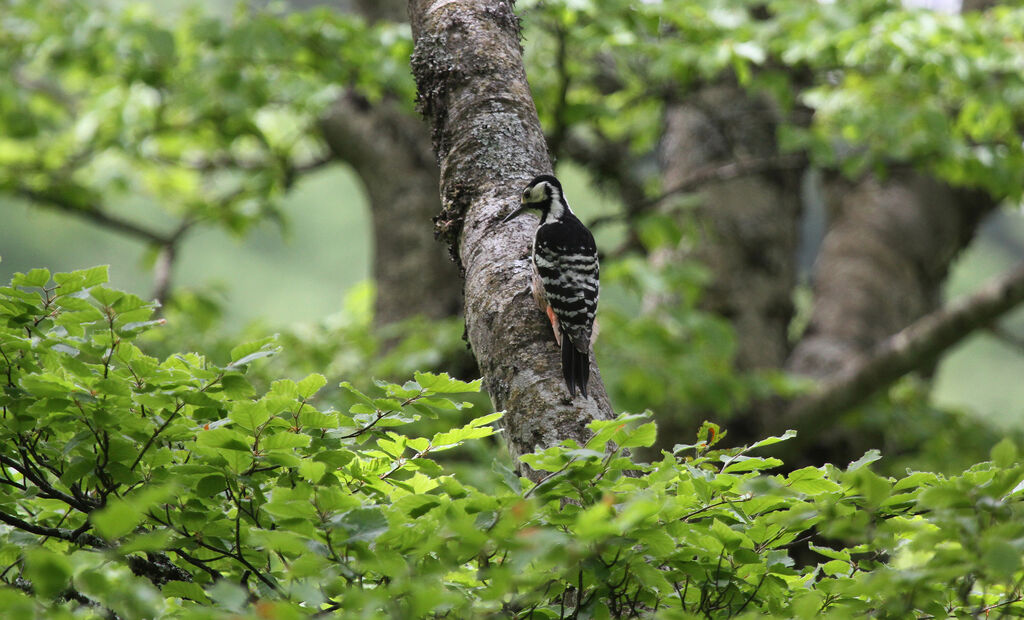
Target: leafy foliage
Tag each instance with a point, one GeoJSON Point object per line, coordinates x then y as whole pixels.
{"type": "Point", "coordinates": [212, 120]}
{"type": "Point", "coordinates": [886, 85]}
{"type": "Point", "coordinates": [206, 485]}
{"type": "Point", "coordinates": [173, 488]}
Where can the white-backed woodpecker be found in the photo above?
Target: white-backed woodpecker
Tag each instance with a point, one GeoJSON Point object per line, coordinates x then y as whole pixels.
{"type": "Point", "coordinates": [565, 276]}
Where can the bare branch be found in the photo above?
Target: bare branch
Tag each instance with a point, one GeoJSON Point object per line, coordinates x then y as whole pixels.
{"type": "Point", "coordinates": [390, 151]}
{"type": "Point", "coordinates": [715, 173]}
{"type": "Point", "coordinates": [920, 343]}
{"type": "Point", "coordinates": [732, 170]}
{"type": "Point", "coordinates": [162, 270]}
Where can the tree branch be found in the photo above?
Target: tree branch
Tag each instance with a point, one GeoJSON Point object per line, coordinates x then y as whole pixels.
{"type": "Point", "coordinates": [732, 170]}
{"type": "Point", "coordinates": [158, 568]}
{"type": "Point", "coordinates": [72, 536]}
{"type": "Point", "coordinates": [920, 343]}
{"type": "Point", "coordinates": [95, 215]}
{"type": "Point", "coordinates": [1008, 337]}
{"type": "Point", "coordinates": [713, 173]}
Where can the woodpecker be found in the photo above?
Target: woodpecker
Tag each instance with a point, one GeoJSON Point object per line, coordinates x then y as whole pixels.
{"type": "Point", "coordinates": [565, 276]}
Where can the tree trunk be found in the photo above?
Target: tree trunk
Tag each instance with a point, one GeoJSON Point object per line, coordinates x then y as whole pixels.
{"type": "Point", "coordinates": [882, 264]}
{"type": "Point", "coordinates": [472, 86]}
{"type": "Point", "coordinates": [747, 225]}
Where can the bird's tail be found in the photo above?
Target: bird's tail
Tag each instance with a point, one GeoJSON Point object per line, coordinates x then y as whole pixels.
{"type": "Point", "coordinates": [575, 365]}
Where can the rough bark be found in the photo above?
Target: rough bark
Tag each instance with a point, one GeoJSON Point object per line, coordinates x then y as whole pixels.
{"type": "Point", "coordinates": [748, 224]}
{"type": "Point", "coordinates": [390, 152]}
{"type": "Point", "coordinates": [472, 86]}
{"type": "Point", "coordinates": [882, 264]}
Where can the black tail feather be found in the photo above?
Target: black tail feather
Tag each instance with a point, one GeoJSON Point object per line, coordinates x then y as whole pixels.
{"type": "Point", "coordinates": [569, 364]}
{"type": "Point", "coordinates": [583, 371]}
{"type": "Point", "coordinates": [575, 367]}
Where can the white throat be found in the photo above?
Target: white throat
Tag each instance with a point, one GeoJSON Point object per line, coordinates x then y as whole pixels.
{"type": "Point", "coordinates": [557, 210]}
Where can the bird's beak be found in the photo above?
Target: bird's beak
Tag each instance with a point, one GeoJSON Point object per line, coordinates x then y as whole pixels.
{"type": "Point", "coordinates": [514, 214]}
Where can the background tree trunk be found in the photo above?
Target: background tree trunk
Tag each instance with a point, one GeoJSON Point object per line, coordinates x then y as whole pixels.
{"type": "Point", "coordinates": [884, 257]}
{"type": "Point", "coordinates": [748, 225]}
{"type": "Point", "coordinates": [390, 151]}
{"type": "Point", "coordinates": [882, 264]}
{"type": "Point", "coordinates": [472, 88]}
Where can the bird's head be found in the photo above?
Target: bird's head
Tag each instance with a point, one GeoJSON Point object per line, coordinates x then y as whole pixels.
{"type": "Point", "coordinates": [540, 194]}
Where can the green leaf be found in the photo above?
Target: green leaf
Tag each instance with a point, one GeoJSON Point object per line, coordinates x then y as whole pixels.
{"type": "Point", "coordinates": [312, 470]}
{"type": "Point", "coordinates": [75, 281]}
{"type": "Point", "coordinates": [121, 515]}
{"type": "Point", "coordinates": [106, 297]}
{"type": "Point", "coordinates": [768, 441]}
{"type": "Point", "coordinates": [1004, 453]}
{"type": "Point", "coordinates": [250, 415]}
{"type": "Point", "coordinates": [486, 419]}
{"type": "Point", "coordinates": [364, 524]}
{"type": "Point", "coordinates": [741, 464]}
{"type": "Point", "coordinates": [156, 540]}
{"type": "Point", "coordinates": [285, 440]}
{"type": "Point", "coordinates": [869, 457]}
{"type": "Point", "coordinates": [137, 327]}
{"type": "Point", "coordinates": [50, 573]}
{"type": "Point", "coordinates": [836, 568]}
{"type": "Point", "coordinates": [223, 438]}
{"type": "Point", "coordinates": [311, 385]}
{"type": "Point", "coordinates": [211, 485]}
{"type": "Point", "coordinates": [250, 351]}
{"type": "Point", "coordinates": [34, 278]}
{"type": "Point", "coordinates": [94, 275]}
{"type": "Point", "coordinates": [228, 595]}
{"type": "Point", "coordinates": [116, 519]}
{"type": "Point", "coordinates": [416, 506]}
{"type": "Point", "coordinates": [642, 436]}
{"type": "Point", "coordinates": [1003, 560]}
{"type": "Point", "coordinates": [185, 589]}
{"type": "Point", "coordinates": [444, 384]}
{"type": "Point", "coordinates": [285, 389]}
{"type": "Point", "coordinates": [841, 554]}
{"type": "Point", "coordinates": [236, 386]}
{"type": "Point", "coordinates": [311, 418]}
{"type": "Point", "coordinates": [811, 481]}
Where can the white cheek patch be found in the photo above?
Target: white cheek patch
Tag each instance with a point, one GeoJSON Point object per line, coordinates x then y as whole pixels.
{"type": "Point", "coordinates": [537, 193]}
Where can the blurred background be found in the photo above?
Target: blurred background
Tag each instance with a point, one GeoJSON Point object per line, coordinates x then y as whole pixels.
{"type": "Point", "coordinates": [776, 187]}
